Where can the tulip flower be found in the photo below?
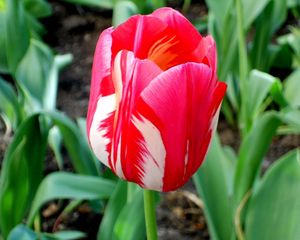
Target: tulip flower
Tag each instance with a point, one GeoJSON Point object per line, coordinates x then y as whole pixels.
{"type": "Point", "coordinates": [154, 99]}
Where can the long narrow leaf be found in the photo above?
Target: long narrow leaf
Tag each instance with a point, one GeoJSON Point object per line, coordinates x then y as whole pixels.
{"type": "Point", "coordinates": [252, 151]}
{"type": "Point", "coordinates": [220, 10]}
{"type": "Point", "coordinates": [291, 117]}
{"type": "Point", "coordinates": [22, 232]}
{"type": "Point", "coordinates": [10, 106]}
{"type": "Point", "coordinates": [50, 92]}
{"type": "Point", "coordinates": [274, 210]}
{"type": "Point", "coordinates": [213, 182]}
{"type": "Point", "coordinates": [272, 17]}
{"type": "Point", "coordinates": [130, 224]}
{"type": "Point", "coordinates": [291, 88]}
{"type": "Point", "coordinates": [252, 9]}
{"type": "Point", "coordinates": [115, 205]}
{"type": "Point", "coordinates": [22, 172]}
{"type": "Point", "coordinates": [82, 158]}
{"type": "Point", "coordinates": [63, 185]}
{"type": "Point", "coordinates": [3, 57]}
{"type": "Point", "coordinates": [260, 84]}
{"type": "Point", "coordinates": [33, 71]}
{"type": "Point", "coordinates": [16, 33]}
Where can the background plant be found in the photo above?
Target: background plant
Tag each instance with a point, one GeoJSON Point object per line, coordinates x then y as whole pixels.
{"type": "Point", "coordinates": [253, 202]}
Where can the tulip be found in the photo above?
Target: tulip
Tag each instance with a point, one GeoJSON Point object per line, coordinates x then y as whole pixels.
{"type": "Point", "coordinates": [154, 99]}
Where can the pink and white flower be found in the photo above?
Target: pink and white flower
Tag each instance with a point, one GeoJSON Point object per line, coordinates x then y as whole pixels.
{"type": "Point", "coordinates": [154, 99]}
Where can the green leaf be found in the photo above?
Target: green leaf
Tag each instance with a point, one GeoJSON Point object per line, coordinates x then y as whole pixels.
{"type": "Point", "coordinates": [81, 122]}
{"type": "Point", "coordinates": [16, 33]}
{"type": "Point", "coordinates": [282, 55]}
{"type": "Point", "coordinates": [60, 62]}
{"type": "Point", "coordinates": [228, 55]}
{"type": "Point", "coordinates": [232, 91]}
{"type": "Point", "coordinates": [292, 88]}
{"type": "Point", "coordinates": [266, 24]}
{"type": "Point", "coordinates": [293, 3]}
{"type": "Point", "coordinates": [213, 181]}
{"type": "Point", "coordinates": [274, 209]}
{"type": "Point", "coordinates": [122, 11]}
{"type": "Point", "coordinates": [94, 3]}
{"type": "Point", "coordinates": [2, 5]}
{"type": "Point", "coordinates": [37, 76]}
{"type": "Point", "coordinates": [293, 40]}
{"type": "Point", "coordinates": [64, 235]}
{"type": "Point", "coordinates": [82, 158]}
{"type": "Point", "coordinates": [21, 172]}
{"type": "Point", "coordinates": [219, 9]}
{"type": "Point", "coordinates": [115, 205]}
{"type": "Point", "coordinates": [10, 106]}
{"type": "Point", "coordinates": [62, 185]}
{"type": "Point", "coordinates": [36, 28]}
{"type": "Point", "coordinates": [22, 232]}
{"type": "Point", "coordinates": [38, 8]}
{"type": "Point", "coordinates": [252, 150]}
{"type": "Point", "coordinates": [260, 84]}
{"type": "Point", "coordinates": [252, 9]}
{"type": "Point", "coordinates": [3, 57]}
{"type": "Point", "coordinates": [33, 71]}
{"type": "Point", "coordinates": [55, 142]}
{"type": "Point", "coordinates": [130, 224]}
{"type": "Point", "coordinates": [291, 117]}
{"type": "Point", "coordinates": [277, 94]}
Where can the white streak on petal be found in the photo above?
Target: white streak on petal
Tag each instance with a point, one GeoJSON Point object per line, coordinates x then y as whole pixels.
{"type": "Point", "coordinates": [153, 165]}
{"type": "Point", "coordinates": [117, 76]}
{"type": "Point", "coordinates": [186, 158]}
{"type": "Point", "coordinates": [118, 166]}
{"type": "Point", "coordinates": [105, 106]}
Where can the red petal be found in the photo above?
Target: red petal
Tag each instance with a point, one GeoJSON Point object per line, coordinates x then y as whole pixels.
{"type": "Point", "coordinates": [165, 37]}
{"type": "Point", "coordinates": [186, 32]}
{"type": "Point", "coordinates": [101, 81]}
{"type": "Point", "coordinates": [130, 77]}
{"type": "Point", "coordinates": [183, 111]}
{"type": "Point", "coordinates": [207, 52]}
{"type": "Point", "coordinates": [138, 34]}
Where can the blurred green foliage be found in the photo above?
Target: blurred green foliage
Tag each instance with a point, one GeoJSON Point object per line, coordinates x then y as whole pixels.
{"type": "Point", "coordinates": [253, 205]}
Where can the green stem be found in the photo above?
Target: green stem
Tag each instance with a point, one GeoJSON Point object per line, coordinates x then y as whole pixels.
{"type": "Point", "coordinates": [150, 216]}
{"type": "Point", "coordinates": [130, 190]}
